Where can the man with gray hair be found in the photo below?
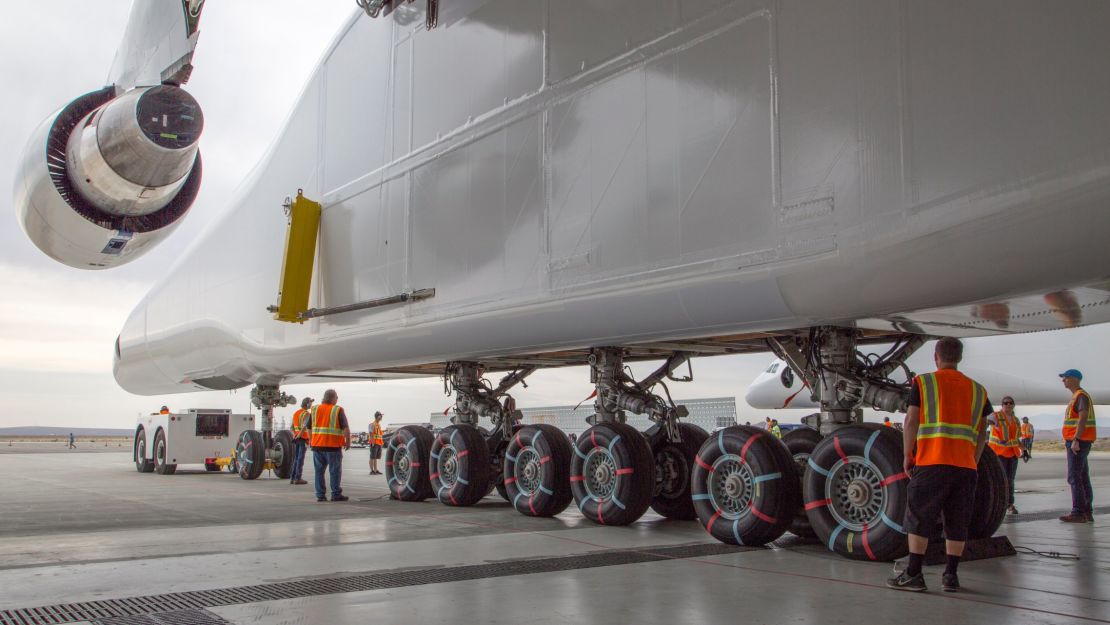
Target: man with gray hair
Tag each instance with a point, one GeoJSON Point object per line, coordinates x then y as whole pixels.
{"type": "Point", "coordinates": [330, 436]}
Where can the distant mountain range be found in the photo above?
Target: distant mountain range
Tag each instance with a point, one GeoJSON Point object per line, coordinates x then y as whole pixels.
{"type": "Point", "coordinates": [1054, 434]}
{"type": "Point", "coordinates": [52, 431]}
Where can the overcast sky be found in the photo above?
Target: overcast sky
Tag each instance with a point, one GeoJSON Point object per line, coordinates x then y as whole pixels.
{"type": "Point", "coordinates": [58, 324]}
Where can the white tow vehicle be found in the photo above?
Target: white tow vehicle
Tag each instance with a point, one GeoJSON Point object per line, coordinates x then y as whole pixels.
{"type": "Point", "coordinates": [196, 436]}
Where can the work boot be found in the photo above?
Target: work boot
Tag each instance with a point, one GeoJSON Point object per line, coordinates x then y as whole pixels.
{"type": "Point", "coordinates": [1090, 517]}
{"type": "Point", "coordinates": [339, 498]}
{"type": "Point", "coordinates": [1012, 509]}
{"type": "Point", "coordinates": [299, 482]}
{"type": "Point", "coordinates": [1074, 517]}
{"type": "Point", "coordinates": [912, 583]}
{"type": "Point", "coordinates": [949, 582]}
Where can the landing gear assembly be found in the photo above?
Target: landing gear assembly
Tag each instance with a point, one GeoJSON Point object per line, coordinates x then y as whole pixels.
{"type": "Point", "coordinates": [838, 480]}
{"type": "Point", "coordinates": [258, 450]}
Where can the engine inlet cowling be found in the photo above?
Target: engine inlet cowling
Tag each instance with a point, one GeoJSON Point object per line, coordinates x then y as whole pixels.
{"type": "Point", "coordinates": [106, 178]}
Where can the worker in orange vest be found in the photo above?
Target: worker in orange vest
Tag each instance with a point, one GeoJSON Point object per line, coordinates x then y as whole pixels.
{"type": "Point", "coordinates": [330, 436]}
{"type": "Point", "coordinates": [886, 422]}
{"type": "Point", "coordinates": [1079, 434]}
{"type": "Point", "coordinates": [1004, 443]}
{"type": "Point", "coordinates": [1026, 439]}
{"type": "Point", "coordinates": [377, 441]}
{"type": "Point", "coordinates": [164, 410]}
{"type": "Point", "coordinates": [301, 430]}
{"type": "Point", "coordinates": [944, 434]}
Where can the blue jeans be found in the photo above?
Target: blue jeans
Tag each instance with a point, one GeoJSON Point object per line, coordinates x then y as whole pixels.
{"type": "Point", "coordinates": [299, 451]}
{"type": "Point", "coordinates": [333, 462]}
{"type": "Point", "coordinates": [1009, 465]}
{"type": "Point", "coordinates": [1079, 478]}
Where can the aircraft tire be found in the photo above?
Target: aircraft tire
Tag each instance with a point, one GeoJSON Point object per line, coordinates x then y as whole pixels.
{"type": "Point", "coordinates": [801, 442]}
{"type": "Point", "coordinates": [990, 497]}
{"type": "Point", "coordinates": [250, 453]}
{"type": "Point", "coordinates": [142, 465]}
{"type": "Point", "coordinates": [612, 474]}
{"type": "Point", "coordinates": [406, 464]}
{"type": "Point", "coordinates": [744, 486]}
{"type": "Point", "coordinates": [536, 471]}
{"type": "Point", "coordinates": [161, 467]}
{"type": "Point", "coordinates": [283, 454]}
{"type": "Point", "coordinates": [674, 462]}
{"type": "Point", "coordinates": [459, 460]}
{"type": "Point", "coordinates": [855, 491]}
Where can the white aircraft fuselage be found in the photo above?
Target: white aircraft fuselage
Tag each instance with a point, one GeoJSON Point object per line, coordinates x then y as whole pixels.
{"type": "Point", "coordinates": [576, 174]}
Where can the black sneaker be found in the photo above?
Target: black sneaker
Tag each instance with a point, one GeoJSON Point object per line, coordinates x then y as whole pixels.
{"type": "Point", "coordinates": [339, 498]}
{"type": "Point", "coordinates": [949, 582]}
{"type": "Point", "coordinates": [905, 581]}
{"type": "Point", "coordinates": [321, 499]}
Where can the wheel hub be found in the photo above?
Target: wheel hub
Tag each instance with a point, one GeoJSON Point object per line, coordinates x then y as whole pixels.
{"type": "Point", "coordinates": [448, 465]}
{"type": "Point", "coordinates": [854, 488]}
{"type": "Point", "coordinates": [731, 486]}
{"type": "Point", "coordinates": [528, 471]}
{"type": "Point", "coordinates": [401, 464]}
{"type": "Point", "coordinates": [600, 473]}
{"type": "Point", "coordinates": [669, 477]}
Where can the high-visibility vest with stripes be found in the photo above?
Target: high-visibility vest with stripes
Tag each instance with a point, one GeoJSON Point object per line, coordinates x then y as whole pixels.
{"type": "Point", "coordinates": [325, 427]}
{"type": "Point", "coordinates": [376, 438]}
{"type": "Point", "coordinates": [1027, 430]}
{"type": "Point", "coordinates": [951, 418]}
{"type": "Point", "coordinates": [1004, 436]}
{"type": "Point", "coordinates": [299, 422]}
{"type": "Point", "coordinates": [1071, 418]}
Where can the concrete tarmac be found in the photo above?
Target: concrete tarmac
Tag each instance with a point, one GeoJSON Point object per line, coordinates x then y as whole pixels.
{"type": "Point", "coordinates": [87, 531]}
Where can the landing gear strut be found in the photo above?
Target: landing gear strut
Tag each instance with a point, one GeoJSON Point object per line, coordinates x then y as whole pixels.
{"type": "Point", "coordinates": [261, 449]}
{"type": "Point", "coordinates": [854, 489]}
{"type": "Point", "coordinates": [465, 463]}
{"type": "Point", "coordinates": [616, 473]}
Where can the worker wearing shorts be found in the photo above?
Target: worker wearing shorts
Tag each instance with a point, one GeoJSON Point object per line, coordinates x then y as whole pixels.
{"type": "Point", "coordinates": [944, 435]}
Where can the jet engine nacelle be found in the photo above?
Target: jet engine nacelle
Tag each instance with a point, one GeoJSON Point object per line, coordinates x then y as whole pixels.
{"type": "Point", "coordinates": [106, 178]}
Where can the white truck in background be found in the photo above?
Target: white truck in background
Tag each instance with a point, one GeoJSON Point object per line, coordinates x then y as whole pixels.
{"type": "Point", "coordinates": [196, 436]}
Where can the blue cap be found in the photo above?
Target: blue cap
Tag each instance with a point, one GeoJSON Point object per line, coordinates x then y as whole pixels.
{"type": "Point", "coordinates": [1072, 373]}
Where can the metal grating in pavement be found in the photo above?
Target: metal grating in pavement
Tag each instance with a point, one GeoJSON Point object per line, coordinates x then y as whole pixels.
{"type": "Point", "coordinates": [180, 617]}
{"type": "Point", "coordinates": [164, 606]}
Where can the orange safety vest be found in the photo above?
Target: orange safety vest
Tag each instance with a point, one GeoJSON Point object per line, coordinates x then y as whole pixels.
{"type": "Point", "coordinates": [299, 422]}
{"type": "Point", "coordinates": [376, 437]}
{"type": "Point", "coordinates": [889, 424]}
{"type": "Point", "coordinates": [951, 418]}
{"type": "Point", "coordinates": [1071, 418]}
{"type": "Point", "coordinates": [325, 427]}
{"type": "Point", "coordinates": [1027, 430]}
{"type": "Point", "coordinates": [1003, 439]}
{"type": "Point", "coordinates": [163, 412]}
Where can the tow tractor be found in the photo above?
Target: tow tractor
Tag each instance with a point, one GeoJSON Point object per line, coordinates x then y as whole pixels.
{"type": "Point", "coordinates": [196, 436]}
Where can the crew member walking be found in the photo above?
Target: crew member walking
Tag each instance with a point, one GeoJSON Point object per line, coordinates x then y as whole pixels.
{"type": "Point", "coordinates": [1026, 439]}
{"type": "Point", "coordinates": [72, 444]}
{"type": "Point", "coordinates": [330, 436]}
{"type": "Point", "coordinates": [944, 434]}
{"type": "Point", "coordinates": [1079, 435]}
{"type": "Point", "coordinates": [1004, 443]}
{"type": "Point", "coordinates": [377, 440]}
{"type": "Point", "coordinates": [301, 430]}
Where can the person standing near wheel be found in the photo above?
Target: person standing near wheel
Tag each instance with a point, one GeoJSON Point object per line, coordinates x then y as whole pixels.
{"type": "Point", "coordinates": [330, 436]}
{"type": "Point", "coordinates": [377, 441]}
{"type": "Point", "coordinates": [1004, 442]}
{"type": "Point", "coordinates": [301, 430]}
{"type": "Point", "coordinates": [1079, 435]}
{"type": "Point", "coordinates": [1026, 439]}
{"type": "Point", "coordinates": [944, 434]}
